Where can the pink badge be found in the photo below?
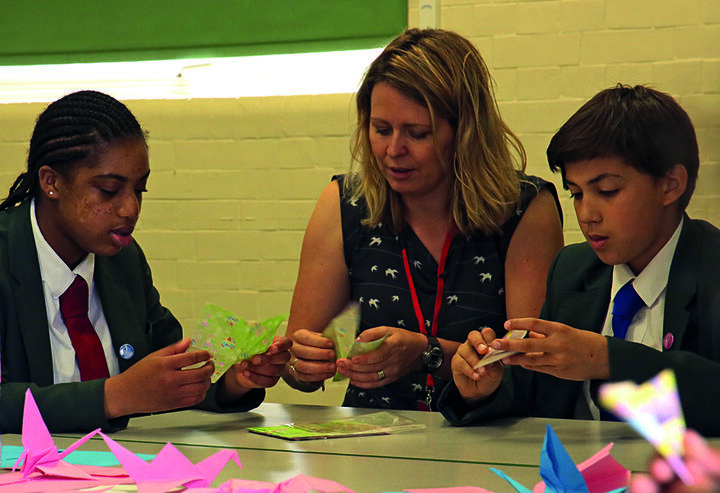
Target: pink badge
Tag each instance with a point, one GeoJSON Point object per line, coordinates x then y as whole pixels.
{"type": "Point", "coordinates": [668, 340]}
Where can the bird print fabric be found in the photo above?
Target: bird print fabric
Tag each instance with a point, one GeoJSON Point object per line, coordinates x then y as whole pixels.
{"type": "Point", "coordinates": [473, 296]}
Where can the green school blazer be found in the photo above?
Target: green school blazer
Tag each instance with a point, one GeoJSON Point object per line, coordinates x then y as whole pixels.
{"type": "Point", "coordinates": [134, 314]}
{"type": "Point", "coordinates": [578, 294]}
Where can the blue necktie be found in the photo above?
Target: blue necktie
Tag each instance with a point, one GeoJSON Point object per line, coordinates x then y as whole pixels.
{"type": "Point", "coordinates": [626, 304]}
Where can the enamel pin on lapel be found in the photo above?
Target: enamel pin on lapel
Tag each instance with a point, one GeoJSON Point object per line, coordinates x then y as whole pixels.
{"type": "Point", "coordinates": [127, 351]}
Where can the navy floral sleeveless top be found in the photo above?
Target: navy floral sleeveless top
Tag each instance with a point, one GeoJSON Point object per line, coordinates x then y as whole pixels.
{"type": "Point", "coordinates": [473, 297]}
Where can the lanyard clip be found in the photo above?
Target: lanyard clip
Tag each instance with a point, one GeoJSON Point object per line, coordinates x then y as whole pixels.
{"type": "Point", "coordinates": [429, 390]}
{"type": "Point", "coordinates": [428, 397]}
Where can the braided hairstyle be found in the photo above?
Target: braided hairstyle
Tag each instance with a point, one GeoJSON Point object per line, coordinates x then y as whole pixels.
{"type": "Point", "coordinates": [73, 129]}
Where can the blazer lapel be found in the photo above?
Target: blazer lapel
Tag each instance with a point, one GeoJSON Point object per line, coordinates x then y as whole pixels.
{"type": "Point", "coordinates": [587, 308]}
{"type": "Point", "coordinates": [121, 308]}
{"type": "Point", "coordinates": [29, 297]}
{"type": "Point", "coordinates": [682, 284]}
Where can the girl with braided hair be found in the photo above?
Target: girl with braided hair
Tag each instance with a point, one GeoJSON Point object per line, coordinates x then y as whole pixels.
{"type": "Point", "coordinates": [81, 324]}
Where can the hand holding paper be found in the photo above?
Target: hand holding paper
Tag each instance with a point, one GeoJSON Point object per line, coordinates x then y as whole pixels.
{"type": "Point", "coordinates": [230, 339]}
{"type": "Point", "coordinates": [494, 355]}
{"type": "Point", "coordinates": [341, 332]}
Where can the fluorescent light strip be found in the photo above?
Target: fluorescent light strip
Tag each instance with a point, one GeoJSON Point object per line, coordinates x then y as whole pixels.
{"type": "Point", "coordinates": [256, 76]}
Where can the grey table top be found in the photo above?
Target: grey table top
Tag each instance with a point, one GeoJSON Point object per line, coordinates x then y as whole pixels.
{"type": "Point", "coordinates": [359, 473]}
{"type": "Point", "coordinates": [511, 442]}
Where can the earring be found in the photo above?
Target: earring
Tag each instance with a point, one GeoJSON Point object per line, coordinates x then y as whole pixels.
{"type": "Point", "coordinates": [51, 193]}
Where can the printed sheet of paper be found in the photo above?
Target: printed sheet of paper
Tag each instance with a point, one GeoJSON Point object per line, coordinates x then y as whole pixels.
{"type": "Point", "coordinates": [230, 339]}
{"type": "Point", "coordinates": [380, 423]}
{"type": "Point", "coordinates": [494, 355]}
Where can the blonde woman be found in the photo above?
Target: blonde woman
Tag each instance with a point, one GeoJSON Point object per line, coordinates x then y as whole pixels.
{"type": "Point", "coordinates": [435, 231]}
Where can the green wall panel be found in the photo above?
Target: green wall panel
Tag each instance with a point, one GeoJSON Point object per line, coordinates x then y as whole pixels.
{"type": "Point", "coordinates": [69, 31]}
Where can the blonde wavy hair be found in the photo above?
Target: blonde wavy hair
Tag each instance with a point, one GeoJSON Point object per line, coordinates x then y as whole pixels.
{"type": "Point", "coordinates": [445, 73]}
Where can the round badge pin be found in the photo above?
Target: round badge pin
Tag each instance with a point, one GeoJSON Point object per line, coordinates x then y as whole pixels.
{"type": "Point", "coordinates": [127, 351]}
{"type": "Point", "coordinates": [668, 340]}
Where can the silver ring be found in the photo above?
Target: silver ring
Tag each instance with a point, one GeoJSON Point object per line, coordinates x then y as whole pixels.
{"type": "Point", "coordinates": [292, 367]}
{"type": "Point", "coordinates": [381, 375]}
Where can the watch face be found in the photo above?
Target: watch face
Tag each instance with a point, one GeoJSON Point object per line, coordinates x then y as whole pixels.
{"type": "Point", "coordinates": [433, 358]}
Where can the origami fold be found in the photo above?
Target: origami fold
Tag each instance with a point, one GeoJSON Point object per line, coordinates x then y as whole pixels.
{"type": "Point", "coordinates": [653, 410]}
{"type": "Point", "coordinates": [296, 484]}
{"type": "Point", "coordinates": [342, 331]}
{"type": "Point", "coordinates": [42, 464]}
{"type": "Point", "coordinates": [230, 339]}
{"type": "Point", "coordinates": [598, 474]}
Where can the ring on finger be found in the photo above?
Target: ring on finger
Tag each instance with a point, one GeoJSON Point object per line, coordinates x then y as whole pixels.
{"type": "Point", "coordinates": [292, 366]}
{"type": "Point", "coordinates": [381, 375]}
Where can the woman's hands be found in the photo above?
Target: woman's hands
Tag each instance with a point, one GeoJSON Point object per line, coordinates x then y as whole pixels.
{"type": "Point", "coordinates": [313, 357]}
{"type": "Point", "coordinates": [398, 355]}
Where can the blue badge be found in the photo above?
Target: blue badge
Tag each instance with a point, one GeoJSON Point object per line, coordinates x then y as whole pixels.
{"type": "Point", "coordinates": [127, 351]}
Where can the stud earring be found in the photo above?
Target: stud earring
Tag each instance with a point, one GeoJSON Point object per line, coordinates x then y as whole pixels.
{"type": "Point", "coordinates": [51, 192]}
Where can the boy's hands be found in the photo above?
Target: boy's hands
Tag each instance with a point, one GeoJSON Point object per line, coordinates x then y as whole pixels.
{"type": "Point", "coordinates": [557, 349]}
{"type": "Point", "coordinates": [159, 383]}
{"type": "Point", "coordinates": [551, 348]}
{"type": "Point", "coordinates": [476, 384]}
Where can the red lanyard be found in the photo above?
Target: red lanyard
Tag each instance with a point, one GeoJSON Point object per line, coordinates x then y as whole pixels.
{"type": "Point", "coordinates": [438, 294]}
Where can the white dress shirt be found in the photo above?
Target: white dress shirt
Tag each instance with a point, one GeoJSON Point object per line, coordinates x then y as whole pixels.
{"type": "Point", "coordinates": [651, 285]}
{"type": "Point", "coordinates": [56, 278]}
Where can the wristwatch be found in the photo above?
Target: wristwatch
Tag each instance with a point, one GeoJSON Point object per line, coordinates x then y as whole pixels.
{"type": "Point", "coordinates": [433, 356]}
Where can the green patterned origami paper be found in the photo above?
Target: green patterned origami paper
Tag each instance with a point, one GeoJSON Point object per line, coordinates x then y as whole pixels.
{"type": "Point", "coordinates": [230, 339]}
{"type": "Point", "coordinates": [341, 332]}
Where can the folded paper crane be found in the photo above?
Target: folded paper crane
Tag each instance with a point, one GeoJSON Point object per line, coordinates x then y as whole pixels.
{"type": "Point", "coordinates": [42, 468]}
{"type": "Point", "coordinates": [170, 469]}
{"type": "Point", "coordinates": [598, 474]}
{"type": "Point", "coordinates": [653, 410]}
{"type": "Point", "coordinates": [41, 461]}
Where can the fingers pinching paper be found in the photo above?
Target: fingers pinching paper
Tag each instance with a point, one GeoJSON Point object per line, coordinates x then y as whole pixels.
{"type": "Point", "coordinates": [341, 332]}
{"type": "Point", "coordinates": [230, 339]}
{"type": "Point", "coordinates": [494, 355]}
{"type": "Point", "coordinates": [653, 410]}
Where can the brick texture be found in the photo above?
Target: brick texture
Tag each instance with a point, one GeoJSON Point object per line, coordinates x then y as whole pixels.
{"type": "Point", "coordinates": [234, 181]}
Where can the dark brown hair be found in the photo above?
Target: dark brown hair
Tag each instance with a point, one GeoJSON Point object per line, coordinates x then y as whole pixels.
{"type": "Point", "coordinates": [644, 127]}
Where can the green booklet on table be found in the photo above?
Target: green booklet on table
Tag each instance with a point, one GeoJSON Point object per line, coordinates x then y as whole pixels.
{"type": "Point", "coordinates": [380, 423]}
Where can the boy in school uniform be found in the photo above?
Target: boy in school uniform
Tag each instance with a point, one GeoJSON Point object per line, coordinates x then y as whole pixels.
{"type": "Point", "coordinates": [81, 323]}
{"type": "Point", "coordinates": [641, 295]}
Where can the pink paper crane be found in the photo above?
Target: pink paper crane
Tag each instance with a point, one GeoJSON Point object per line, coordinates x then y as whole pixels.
{"type": "Point", "coordinates": [39, 451]}
{"type": "Point", "coordinates": [41, 461]}
{"type": "Point", "coordinates": [170, 468]}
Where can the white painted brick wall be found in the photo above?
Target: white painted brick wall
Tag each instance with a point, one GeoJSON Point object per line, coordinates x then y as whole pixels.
{"type": "Point", "coordinates": [234, 181]}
